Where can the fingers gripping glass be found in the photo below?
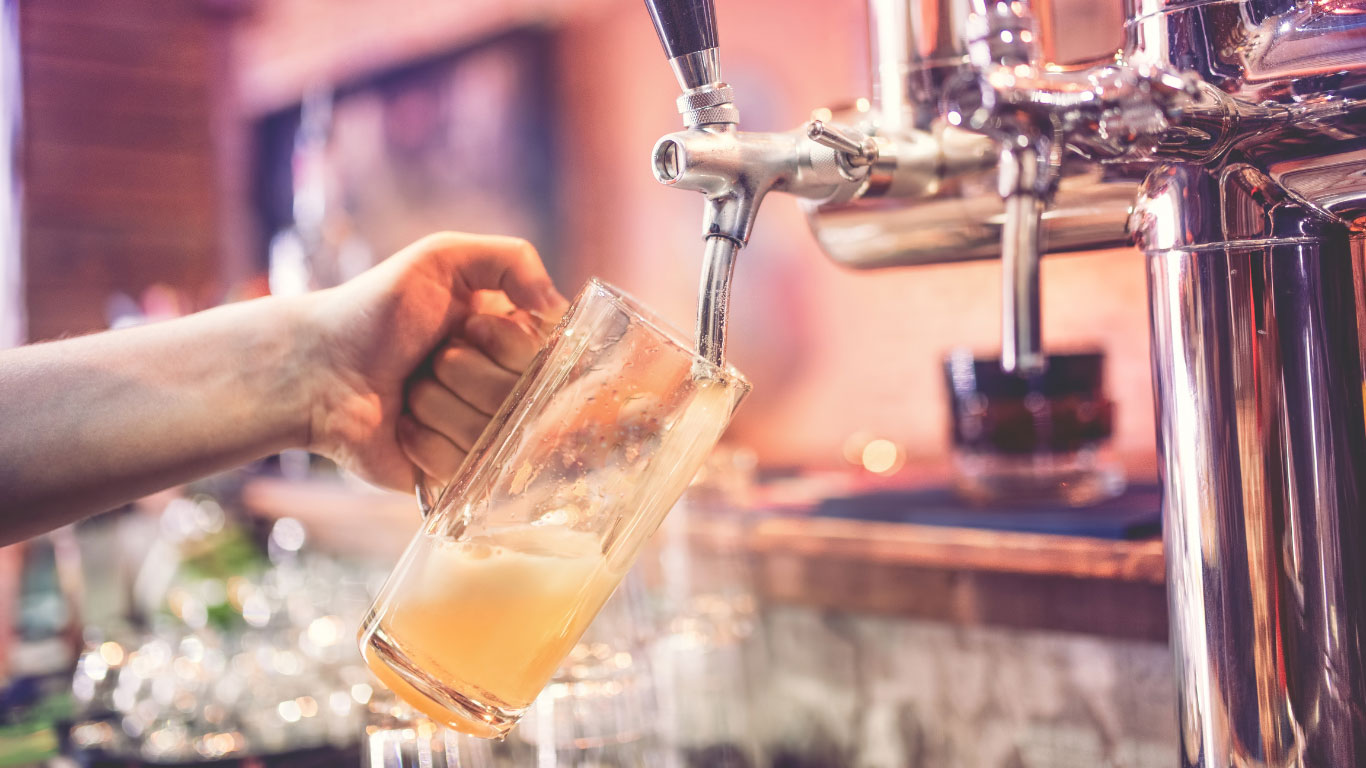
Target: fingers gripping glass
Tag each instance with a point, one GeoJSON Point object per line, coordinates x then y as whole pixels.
{"type": "Point", "coordinates": [596, 442]}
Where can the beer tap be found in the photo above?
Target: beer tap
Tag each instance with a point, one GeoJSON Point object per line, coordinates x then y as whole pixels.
{"type": "Point", "coordinates": [1115, 111]}
{"type": "Point", "coordinates": [733, 169]}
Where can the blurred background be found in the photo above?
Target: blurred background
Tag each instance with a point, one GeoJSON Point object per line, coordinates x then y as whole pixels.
{"type": "Point", "coordinates": [171, 155]}
{"type": "Point", "coordinates": [163, 154]}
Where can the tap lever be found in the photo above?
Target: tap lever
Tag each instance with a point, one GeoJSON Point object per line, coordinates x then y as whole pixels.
{"type": "Point", "coordinates": [858, 151]}
{"type": "Point", "coordinates": [683, 26]}
{"type": "Point", "coordinates": [687, 31]}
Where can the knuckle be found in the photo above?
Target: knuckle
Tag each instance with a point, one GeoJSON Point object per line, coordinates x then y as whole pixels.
{"type": "Point", "coordinates": [437, 240]}
{"type": "Point", "coordinates": [423, 396]}
{"type": "Point", "coordinates": [414, 448]}
{"type": "Point", "coordinates": [499, 390]}
{"type": "Point", "coordinates": [434, 451]}
{"type": "Point", "coordinates": [490, 332]}
{"type": "Point", "coordinates": [453, 360]}
{"type": "Point", "coordinates": [405, 444]}
{"type": "Point", "coordinates": [416, 442]}
{"type": "Point", "coordinates": [450, 461]}
{"type": "Point", "coordinates": [407, 434]}
{"type": "Point", "coordinates": [520, 251]}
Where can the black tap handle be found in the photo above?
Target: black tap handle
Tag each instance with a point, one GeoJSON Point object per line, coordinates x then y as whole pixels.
{"type": "Point", "coordinates": [684, 26]}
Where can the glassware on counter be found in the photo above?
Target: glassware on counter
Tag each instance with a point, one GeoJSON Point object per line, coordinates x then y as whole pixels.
{"type": "Point", "coordinates": [322, 246]}
{"type": "Point", "coordinates": [1028, 439]}
{"type": "Point", "coordinates": [397, 736]}
{"type": "Point", "coordinates": [596, 442]}
{"type": "Point", "coordinates": [40, 637]}
{"type": "Point", "coordinates": [252, 656]}
{"type": "Point", "coordinates": [600, 708]}
{"type": "Point", "coordinates": [708, 661]}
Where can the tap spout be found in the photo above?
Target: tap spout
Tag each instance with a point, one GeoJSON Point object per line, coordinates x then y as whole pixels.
{"type": "Point", "coordinates": [718, 266]}
{"type": "Point", "coordinates": [1021, 337]}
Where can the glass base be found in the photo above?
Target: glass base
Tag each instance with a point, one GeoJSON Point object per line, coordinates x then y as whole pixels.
{"type": "Point", "coordinates": [429, 696]}
{"type": "Point", "coordinates": [1075, 479]}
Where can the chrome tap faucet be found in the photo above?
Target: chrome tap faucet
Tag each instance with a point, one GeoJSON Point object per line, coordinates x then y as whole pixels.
{"type": "Point", "coordinates": [1034, 115]}
{"type": "Point", "coordinates": [821, 163]}
{"type": "Point", "coordinates": [734, 170]}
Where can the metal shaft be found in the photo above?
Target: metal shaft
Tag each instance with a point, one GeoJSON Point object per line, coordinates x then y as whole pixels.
{"type": "Point", "coordinates": [1021, 340]}
{"type": "Point", "coordinates": [1018, 184]}
{"type": "Point", "coordinates": [713, 304]}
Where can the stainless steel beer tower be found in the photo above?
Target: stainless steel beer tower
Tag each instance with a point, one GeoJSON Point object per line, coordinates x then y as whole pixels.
{"type": "Point", "coordinates": [1228, 140]}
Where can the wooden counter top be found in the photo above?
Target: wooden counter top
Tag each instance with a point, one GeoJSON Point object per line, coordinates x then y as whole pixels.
{"type": "Point", "coordinates": [965, 576]}
{"type": "Point", "coordinates": [958, 575]}
{"type": "Point", "coordinates": [968, 549]}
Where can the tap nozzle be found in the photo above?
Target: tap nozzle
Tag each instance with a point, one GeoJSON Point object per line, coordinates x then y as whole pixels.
{"type": "Point", "coordinates": [1021, 337]}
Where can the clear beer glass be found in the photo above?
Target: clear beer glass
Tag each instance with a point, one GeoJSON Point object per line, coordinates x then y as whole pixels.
{"type": "Point", "coordinates": [598, 439]}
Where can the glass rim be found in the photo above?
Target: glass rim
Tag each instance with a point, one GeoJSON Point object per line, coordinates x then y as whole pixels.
{"type": "Point", "coordinates": [675, 338]}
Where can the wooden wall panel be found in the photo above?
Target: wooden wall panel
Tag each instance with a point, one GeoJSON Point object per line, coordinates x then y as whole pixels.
{"type": "Point", "coordinates": [119, 155]}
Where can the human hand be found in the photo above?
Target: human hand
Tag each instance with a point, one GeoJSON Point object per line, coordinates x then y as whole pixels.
{"type": "Point", "coordinates": [449, 322]}
{"type": "Point", "coordinates": [466, 381]}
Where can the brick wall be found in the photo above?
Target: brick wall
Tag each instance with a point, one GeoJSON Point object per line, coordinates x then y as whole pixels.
{"type": "Point", "coordinates": [118, 155]}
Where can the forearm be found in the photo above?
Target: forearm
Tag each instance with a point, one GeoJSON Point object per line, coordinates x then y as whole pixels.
{"type": "Point", "coordinates": [89, 423]}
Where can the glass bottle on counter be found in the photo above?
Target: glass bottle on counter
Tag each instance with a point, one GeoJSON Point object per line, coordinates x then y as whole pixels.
{"type": "Point", "coordinates": [321, 247]}
{"type": "Point", "coordinates": [39, 642]}
{"type": "Point", "coordinates": [1039, 438]}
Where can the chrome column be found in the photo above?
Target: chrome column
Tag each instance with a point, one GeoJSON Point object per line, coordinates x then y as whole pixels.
{"type": "Point", "coordinates": [1258, 383]}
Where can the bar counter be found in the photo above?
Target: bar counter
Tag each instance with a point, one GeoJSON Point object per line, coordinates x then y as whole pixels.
{"type": "Point", "coordinates": [960, 576]}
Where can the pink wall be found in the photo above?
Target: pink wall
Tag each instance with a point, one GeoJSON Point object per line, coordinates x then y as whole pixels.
{"type": "Point", "coordinates": [831, 352]}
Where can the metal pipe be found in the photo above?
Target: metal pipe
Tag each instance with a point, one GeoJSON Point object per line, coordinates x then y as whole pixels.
{"type": "Point", "coordinates": [964, 221]}
{"type": "Point", "coordinates": [718, 266]}
{"type": "Point", "coordinates": [889, 32]}
{"type": "Point", "coordinates": [1021, 337]}
{"type": "Point", "coordinates": [952, 211]}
